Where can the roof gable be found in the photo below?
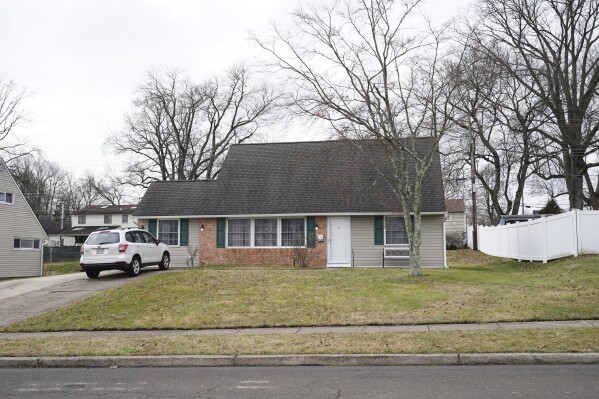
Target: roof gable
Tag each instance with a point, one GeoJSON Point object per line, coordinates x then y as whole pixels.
{"type": "Point", "coordinates": [17, 218]}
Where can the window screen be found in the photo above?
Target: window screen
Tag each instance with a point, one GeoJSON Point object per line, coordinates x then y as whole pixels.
{"type": "Point", "coordinates": [395, 231]}
{"type": "Point", "coordinates": [239, 232]}
{"type": "Point", "coordinates": [265, 232]}
{"type": "Point", "coordinates": [168, 231]}
{"type": "Point", "coordinates": [293, 232]}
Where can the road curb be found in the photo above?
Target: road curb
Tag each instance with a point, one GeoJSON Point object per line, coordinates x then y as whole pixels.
{"type": "Point", "coordinates": [303, 360]}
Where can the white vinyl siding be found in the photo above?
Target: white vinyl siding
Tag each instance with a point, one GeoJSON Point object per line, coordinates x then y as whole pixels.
{"type": "Point", "coordinates": [17, 221]}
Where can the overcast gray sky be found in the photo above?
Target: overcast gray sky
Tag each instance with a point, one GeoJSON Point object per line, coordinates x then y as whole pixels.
{"type": "Point", "coordinates": [83, 59]}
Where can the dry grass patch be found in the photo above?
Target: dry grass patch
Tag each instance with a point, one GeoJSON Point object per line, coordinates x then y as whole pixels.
{"type": "Point", "coordinates": [558, 340]}
{"type": "Point", "coordinates": [482, 289]}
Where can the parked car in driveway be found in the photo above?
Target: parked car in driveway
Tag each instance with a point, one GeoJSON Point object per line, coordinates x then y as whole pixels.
{"type": "Point", "coordinates": [126, 249]}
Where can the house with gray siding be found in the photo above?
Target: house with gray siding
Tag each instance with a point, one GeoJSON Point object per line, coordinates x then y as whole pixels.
{"type": "Point", "coordinates": [455, 221]}
{"type": "Point", "coordinates": [273, 202]}
{"type": "Point", "coordinates": [21, 235]}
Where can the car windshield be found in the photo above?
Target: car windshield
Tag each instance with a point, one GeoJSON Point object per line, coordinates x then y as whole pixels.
{"type": "Point", "coordinates": [102, 238]}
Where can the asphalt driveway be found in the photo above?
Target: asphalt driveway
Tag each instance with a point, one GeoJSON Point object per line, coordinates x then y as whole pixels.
{"type": "Point", "coordinates": [24, 298]}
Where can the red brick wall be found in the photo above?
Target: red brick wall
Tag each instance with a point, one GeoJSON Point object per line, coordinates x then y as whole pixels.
{"type": "Point", "coordinates": [209, 254]}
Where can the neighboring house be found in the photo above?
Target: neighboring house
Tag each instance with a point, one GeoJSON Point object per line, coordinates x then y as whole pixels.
{"type": "Point", "coordinates": [21, 235]}
{"type": "Point", "coordinates": [455, 222]}
{"type": "Point", "coordinates": [271, 199]}
{"type": "Point", "coordinates": [91, 218]}
{"type": "Point", "coordinates": [55, 231]}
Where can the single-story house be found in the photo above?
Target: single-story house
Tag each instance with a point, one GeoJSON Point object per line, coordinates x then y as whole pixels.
{"type": "Point", "coordinates": [54, 230]}
{"type": "Point", "coordinates": [21, 235]}
{"type": "Point", "coordinates": [271, 200]}
{"type": "Point", "coordinates": [99, 217]}
{"type": "Point", "coordinates": [455, 222]}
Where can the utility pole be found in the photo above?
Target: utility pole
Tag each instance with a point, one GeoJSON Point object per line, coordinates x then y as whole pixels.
{"type": "Point", "coordinates": [62, 216]}
{"type": "Point", "coordinates": [473, 182]}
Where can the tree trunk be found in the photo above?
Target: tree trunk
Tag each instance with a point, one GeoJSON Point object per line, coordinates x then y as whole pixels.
{"type": "Point", "coordinates": [415, 241]}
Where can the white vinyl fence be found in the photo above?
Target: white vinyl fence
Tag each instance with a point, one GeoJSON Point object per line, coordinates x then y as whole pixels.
{"type": "Point", "coordinates": [550, 237]}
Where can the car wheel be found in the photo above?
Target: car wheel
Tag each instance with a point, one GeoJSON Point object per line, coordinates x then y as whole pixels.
{"type": "Point", "coordinates": [134, 267]}
{"type": "Point", "coordinates": [92, 273]}
{"type": "Point", "coordinates": [166, 262]}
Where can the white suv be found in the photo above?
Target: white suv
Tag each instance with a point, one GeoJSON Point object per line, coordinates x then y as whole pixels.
{"type": "Point", "coordinates": [127, 249]}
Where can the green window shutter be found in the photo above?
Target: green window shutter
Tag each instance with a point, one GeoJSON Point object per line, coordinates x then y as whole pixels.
{"type": "Point", "coordinates": [379, 227]}
{"type": "Point", "coordinates": [152, 227]}
{"type": "Point", "coordinates": [220, 232]}
{"type": "Point", "coordinates": [311, 231]}
{"type": "Point", "coordinates": [184, 240]}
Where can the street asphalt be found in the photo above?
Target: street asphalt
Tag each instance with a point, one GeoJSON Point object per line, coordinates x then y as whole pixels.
{"type": "Point", "coordinates": [448, 382]}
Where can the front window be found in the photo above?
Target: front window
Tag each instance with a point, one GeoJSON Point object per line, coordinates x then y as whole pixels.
{"type": "Point", "coordinates": [6, 198]}
{"type": "Point", "coordinates": [26, 243]}
{"type": "Point", "coordinates": [107, 219]}
{"type": "Point", "coordinates": [239, 233]}
{"type": "Point", "coordinates": [293, 232]}
{"type": "Point", "coordinates": [125, 219]}
{"type": "Point", "coordinates": [265, 232]}
{"type": "Point", "coordinates": [81, 219]}
{"type": "Point", "coordinates": [168, 231]}
{"type": "Point", "coordinates": [395, 231]}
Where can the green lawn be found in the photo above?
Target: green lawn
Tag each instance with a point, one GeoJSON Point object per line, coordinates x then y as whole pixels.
{"type": "Point", "coordinates": [558, 340]}
{"type": "Point", "coordinates": [476, 288]}
{"type": "Point", "coordinates": [53, 268]}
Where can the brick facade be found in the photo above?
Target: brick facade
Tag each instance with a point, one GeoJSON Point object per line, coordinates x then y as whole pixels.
{"type": "Point", "coordinates": [210, 254]}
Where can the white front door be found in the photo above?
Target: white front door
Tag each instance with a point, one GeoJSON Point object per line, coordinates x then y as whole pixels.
{"type": "Point", "coordinates": [339, 248]}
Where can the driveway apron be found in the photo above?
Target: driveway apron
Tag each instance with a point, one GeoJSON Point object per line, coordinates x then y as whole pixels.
{"type": "Point", "coordinates": [24, 298]}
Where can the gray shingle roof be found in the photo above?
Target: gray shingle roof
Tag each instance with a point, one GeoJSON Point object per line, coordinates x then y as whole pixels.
{"type": "Point", "coordinates": [455, 205]}
{"type": "Point", "coordinates": [291, 178]}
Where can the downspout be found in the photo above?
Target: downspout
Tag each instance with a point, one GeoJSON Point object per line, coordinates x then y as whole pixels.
{"type": "Point", "coordinates": [445, 243]}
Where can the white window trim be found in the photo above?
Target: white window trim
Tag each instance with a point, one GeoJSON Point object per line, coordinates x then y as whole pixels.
{"type": "Point", "coordinates": [178, 232]}
{"type": "Point", "coordinates": [385, 232]}
{"type": "Point", "coordinates": [253, 232]}
{"type": "Point", "coordinates": [28, 249]}
{"type": "Point", "coordinates": [4, 201]}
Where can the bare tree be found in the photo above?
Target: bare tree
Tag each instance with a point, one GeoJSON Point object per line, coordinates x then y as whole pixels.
{"type": "Point", "coordinates": [12, 114]}
{"type": "Point", "coordinates": [111, 190]}
{"type": "Point", "coordinates": [180, 130]}
{"type": "Point", "coordinates": [357, 66]}
{"type": "Point", "coordinates": [494, 114]}
{"type": "Point", "coordinates": [41, 182]}
{"type": "Point", "coordinates": [553, 52]}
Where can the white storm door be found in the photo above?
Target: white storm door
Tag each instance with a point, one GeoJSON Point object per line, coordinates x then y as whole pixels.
{"type": "Point", "coordinates": [339, 248]}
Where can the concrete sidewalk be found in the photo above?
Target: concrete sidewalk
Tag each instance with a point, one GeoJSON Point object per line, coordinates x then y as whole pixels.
{"type": "Point", "coordinates": [338, 360]}
{"type": "Point", "coordinates": [313, 330]}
